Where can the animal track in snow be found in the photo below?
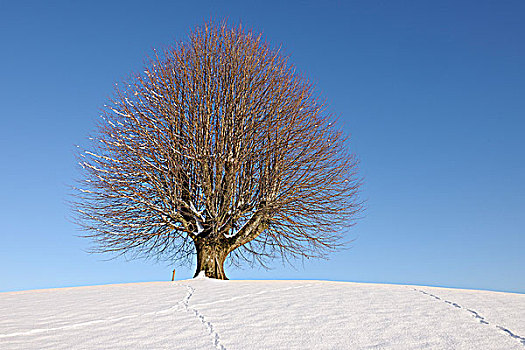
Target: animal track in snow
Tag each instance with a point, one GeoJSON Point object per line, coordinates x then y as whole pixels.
{"type": "Point", "coordinates": [476, 315]}
{"type": "Point", "coordinates": [207, 324]}
{"type": "Point", "coordinates": [515, 336]}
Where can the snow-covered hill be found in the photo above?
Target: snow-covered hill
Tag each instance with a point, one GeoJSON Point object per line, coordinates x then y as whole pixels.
{"type": "Point", "coordinates": [210, 314]}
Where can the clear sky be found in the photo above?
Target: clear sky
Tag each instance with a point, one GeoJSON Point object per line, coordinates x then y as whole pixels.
{"type": "Point", "coordinates": [432, 92]}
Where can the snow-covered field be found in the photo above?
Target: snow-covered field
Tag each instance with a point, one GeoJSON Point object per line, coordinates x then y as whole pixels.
{"type": "Point", "coordinates": [209, 314]}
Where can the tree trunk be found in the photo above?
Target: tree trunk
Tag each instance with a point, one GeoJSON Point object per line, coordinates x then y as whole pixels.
{"type": "Point", "coordinates": [210, 259]}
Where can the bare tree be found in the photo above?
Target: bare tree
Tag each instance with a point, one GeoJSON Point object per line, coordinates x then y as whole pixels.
{"type": "Point", "coordinates": [219, 148]}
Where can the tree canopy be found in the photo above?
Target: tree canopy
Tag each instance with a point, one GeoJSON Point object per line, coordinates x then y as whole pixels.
{"type": "Point", "coordinates": [219, 148]}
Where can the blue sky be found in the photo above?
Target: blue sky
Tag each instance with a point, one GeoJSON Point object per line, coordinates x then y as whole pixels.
{"type": "Point", "coordinates": [432, 93]}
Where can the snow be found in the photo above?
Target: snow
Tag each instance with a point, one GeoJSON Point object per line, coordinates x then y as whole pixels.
{"type": "Point", "coordinates": [200, 228]}
{"type": "Point", "coordinates": [203, 313]}
{"type": "Point", "coordinates": [201, 275]}
{"type": "Point", "coordinates": [195, 211]}
{"type": "Point", "coordinates": [198, 217]}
